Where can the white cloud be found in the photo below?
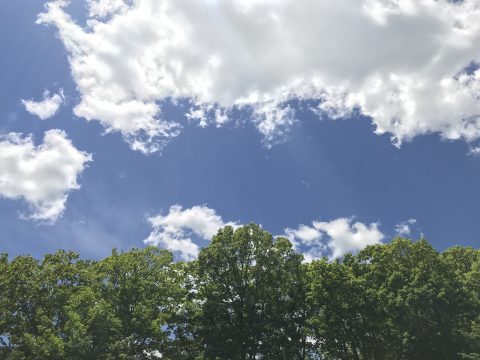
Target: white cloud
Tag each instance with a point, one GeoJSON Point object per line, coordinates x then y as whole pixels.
{"type": "Point", "coordinates": [308, 241]}
{"type": "Point", "coordinates": [403, 229]}
{"type": "Point", "coordinates": [174, 231]}
{"type": "Point", "coordinates": [104, 8]}
{"type": "Point", "coordinates": [474, 151]}
{"type": "Point", "coordinates": [336, 237]}
{"type": "Point", "coordinates": [46, 108]}
{"type": "Point", "coordinates": [401, 62]}
{"type": "Point", "coordinates": [41, 175]}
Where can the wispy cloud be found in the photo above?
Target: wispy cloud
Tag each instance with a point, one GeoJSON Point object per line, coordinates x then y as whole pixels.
{"type": "Point", "coordinates": [404, 228]}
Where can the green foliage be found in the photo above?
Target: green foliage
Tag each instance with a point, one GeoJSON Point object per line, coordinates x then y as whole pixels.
{"type": "Point", "coordinates": [248, 296]}
{"type": "Point", "coordinates": [252, 294]}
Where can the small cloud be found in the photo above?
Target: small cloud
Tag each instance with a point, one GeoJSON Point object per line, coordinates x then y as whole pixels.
{"type": "Point", "coordinates": [474, 151]}
{"type": "Point", "coordinates": [46, 108]}
{"type": "Point", "coordinates": [41, 175]}
{"type": "Point", "coordinates": [404, 228]}
{"type": "Point", "coordinates": [336, 237]}
{"type": "Point", "coordinates": [174, 231]}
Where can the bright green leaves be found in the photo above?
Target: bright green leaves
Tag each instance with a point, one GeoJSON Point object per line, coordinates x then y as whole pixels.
{"type": "Point", "coordinates": [119, 308]}
{"type": "Point", "coordinates": [248, 296]}
{"type": "Point", "coordinates": [401, 300]}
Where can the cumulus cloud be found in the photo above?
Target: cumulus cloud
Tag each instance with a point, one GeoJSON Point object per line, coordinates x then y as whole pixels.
{"type": "Point", "coordinates": [174, 230]}
{"type": "Point", "coordinates": [334, 238]}
{"type": "Point", "coordinates": [403, 229]}
{"type": "Point", "coordinates": [41, 175]}
{"type": "Point", "coordinates": [410, 65]}
{"type": "Point", "coordinates": [46, 108]}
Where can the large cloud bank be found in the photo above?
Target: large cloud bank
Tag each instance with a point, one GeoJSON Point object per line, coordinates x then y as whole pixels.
{"type": "Point", "coordinates": [41, 175]}
{"type": "Point", "coordinates": [410, 65]}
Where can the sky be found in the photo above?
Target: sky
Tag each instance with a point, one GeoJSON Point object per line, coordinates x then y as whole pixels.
{"type": "Point", "coordinates": [336, 123]}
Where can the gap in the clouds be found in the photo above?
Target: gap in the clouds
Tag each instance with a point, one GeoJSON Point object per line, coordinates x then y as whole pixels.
{"type": "Point", "coordinates": [326, 170]}
{"type": "Point", "coordinates": [78, 10]}
{"type": "Point", "coordinates": [383, 183]}
{"type": "Point", "coordinates": [469, 70]}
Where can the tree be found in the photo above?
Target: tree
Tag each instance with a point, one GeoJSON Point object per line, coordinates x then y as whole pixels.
{"type": "Point", "coordinates": [128, 309]}
{"type": "Point", "coordinates": [33, 300]}
{"type": "Point", "coordinates": [425, 301]}
{"type": "Point", "coordinates": [252, 294]}
{"type": "Point", "coordinates": [248, 296]}
{"type": "Point", "coordinates": [348, 318]}
{"type": "Point", "coordinates": [126, 306]}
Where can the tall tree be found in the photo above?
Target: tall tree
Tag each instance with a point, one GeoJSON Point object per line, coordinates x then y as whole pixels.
{"type": "Point", "coordinates": [128, 310]}
{"type": "Point", "coordinates": [425, 300]}
{"type": "Point", "coordinates": [252, 293]}
{"type": "Point", "coordinates": [33, 303]}
{"type": "Point", "coordinates": [348, 318]}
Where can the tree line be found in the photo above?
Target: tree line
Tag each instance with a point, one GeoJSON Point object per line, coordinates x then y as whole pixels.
{"type": "Point", "coordinates": [247, 296]}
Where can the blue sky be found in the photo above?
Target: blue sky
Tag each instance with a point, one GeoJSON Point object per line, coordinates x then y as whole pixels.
{"type": "Point", "coordinates": [322, 170]}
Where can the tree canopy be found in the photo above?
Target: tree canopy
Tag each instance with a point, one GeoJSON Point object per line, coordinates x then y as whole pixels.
{"type": "Point", "coordinates": [247, 296]}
